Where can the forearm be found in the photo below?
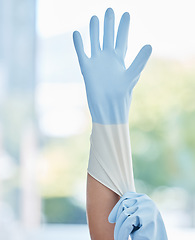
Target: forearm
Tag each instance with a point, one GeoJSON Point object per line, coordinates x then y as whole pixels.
{"type": "Point", "coordinates": [100, 202]}
{"type": "Point", "coordinates": [110, 175]}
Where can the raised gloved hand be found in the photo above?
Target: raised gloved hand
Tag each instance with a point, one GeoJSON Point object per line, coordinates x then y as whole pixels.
{"type": "Point", "coordinates": [137, 215]}
{"type": "Point", "coordinates": [109, 88]}
{"type": "Point", "coordinates": [108, 83]}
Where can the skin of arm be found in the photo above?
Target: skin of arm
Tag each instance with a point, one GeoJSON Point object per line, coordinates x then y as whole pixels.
{"type": "Point", "coordinates": [100, 202]}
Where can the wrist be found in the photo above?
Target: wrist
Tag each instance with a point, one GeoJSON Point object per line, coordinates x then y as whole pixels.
{"type": "Point", "coordinates": [110, 110]}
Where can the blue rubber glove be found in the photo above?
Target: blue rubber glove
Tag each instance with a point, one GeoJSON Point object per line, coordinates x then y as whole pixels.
{"type": "Point", "coordinates": [137, 215]}
{"type": "Point", "coordinates": [108, 83]}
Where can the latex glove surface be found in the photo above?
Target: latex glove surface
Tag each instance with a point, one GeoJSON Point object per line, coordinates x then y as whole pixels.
{"type": "Point", "coordinates": [108, 83]}
{"type": "Point", "coordinates": [137, 215]}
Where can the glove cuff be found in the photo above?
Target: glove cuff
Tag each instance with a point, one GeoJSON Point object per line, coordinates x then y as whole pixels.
{"type": "Point", "coordinates": [110, 159]}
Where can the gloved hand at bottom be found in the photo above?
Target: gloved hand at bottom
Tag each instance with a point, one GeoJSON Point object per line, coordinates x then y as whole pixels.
{"type": "Point", "coordinates": [137, 215]}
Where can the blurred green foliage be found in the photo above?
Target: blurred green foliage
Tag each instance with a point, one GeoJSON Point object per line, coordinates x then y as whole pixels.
{"type": "Point", "coordinates": [162, 125]}
{"type": "Point", "coordinates": [63, 165]}
{"type": "Point", "coordinates": [63, 210]}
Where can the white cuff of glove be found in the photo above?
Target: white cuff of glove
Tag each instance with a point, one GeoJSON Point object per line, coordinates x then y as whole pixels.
{"type": "Point", "coordinates": [110, 157]}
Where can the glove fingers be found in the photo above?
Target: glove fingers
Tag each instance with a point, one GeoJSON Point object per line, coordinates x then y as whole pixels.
{"type": "Point", "coordinates": [113, 214]}
{"type": "Point", "coordinates": [122, 35]}
{"type": "Point", "coordinates": [108, 42]}
{"type": "Point", "coordinates": [78, 44]}
{"type": "Point", "coordinates": [121, 219]}
{"type": "Point", "coordinates": [135, 69]}
{"type": "Point", "coordinates": [125, 205]}
{"type": "Point", "coordinates": [94, 35]}
{"type": "Point", "coordinates": [127, 227]}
